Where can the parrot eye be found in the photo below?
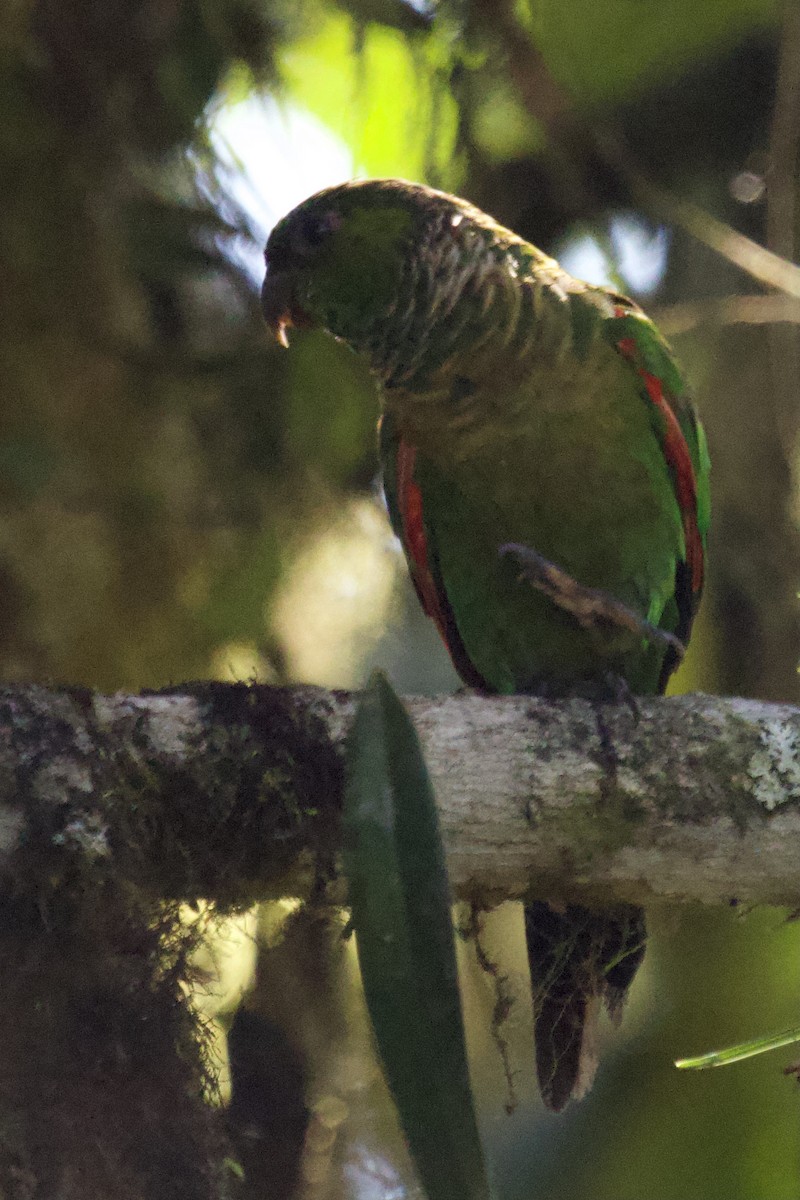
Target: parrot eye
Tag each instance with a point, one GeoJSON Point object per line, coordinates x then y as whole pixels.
{"type": "Point", "coordinates": [310, 233]}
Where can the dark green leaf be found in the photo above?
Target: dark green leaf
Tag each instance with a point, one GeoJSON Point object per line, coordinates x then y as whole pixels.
{"type": "Point", "coordinates": [401, 913]}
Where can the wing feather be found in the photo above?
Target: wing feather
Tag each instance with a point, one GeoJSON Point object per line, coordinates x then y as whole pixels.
{"type": "Point", "coordinates": [404, 498]}
{"type": "Point", "coordinates": [681, 436]}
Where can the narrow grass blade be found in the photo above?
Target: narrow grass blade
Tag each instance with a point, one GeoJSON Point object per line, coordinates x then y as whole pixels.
{"type": "Point", "coordinates": [722, 1058]}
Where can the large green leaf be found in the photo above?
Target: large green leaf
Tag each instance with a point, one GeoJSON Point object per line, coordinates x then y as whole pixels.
{"type": "Point", "coordinates": [401, 912]}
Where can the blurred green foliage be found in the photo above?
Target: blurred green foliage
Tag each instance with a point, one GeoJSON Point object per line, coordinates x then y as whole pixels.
{"type": "Point", "coordinates": [353, 75]}
{"type": "Point", "coordinates": [610, 52]}
{"type": "Point", "coordinates": [162, 464]}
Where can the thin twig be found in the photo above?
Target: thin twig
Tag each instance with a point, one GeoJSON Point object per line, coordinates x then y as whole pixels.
{"type": "Point", "coordinates": [674, 319]}
{"type": "Point", "coordinates": [503, 999]}
{"type": "Point", "coordinates": [785, 140]}
{"type": "Point", "coordinates": [755, 260]}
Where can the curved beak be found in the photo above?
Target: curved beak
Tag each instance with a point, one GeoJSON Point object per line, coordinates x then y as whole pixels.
{"type": "Point", "coordinates": [280, 308]}
{"type": "Point", "coordinates": [277, 304]}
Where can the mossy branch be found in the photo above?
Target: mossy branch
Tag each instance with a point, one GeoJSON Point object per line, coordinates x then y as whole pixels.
{"type": "Point", "coordinates": [233, 793]}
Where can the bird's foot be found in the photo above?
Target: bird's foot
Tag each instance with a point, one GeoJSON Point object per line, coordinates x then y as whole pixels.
{"type": "Point", "coordinates": [592, 608]}
{"type": "Point", "coordinates": [619, 692]}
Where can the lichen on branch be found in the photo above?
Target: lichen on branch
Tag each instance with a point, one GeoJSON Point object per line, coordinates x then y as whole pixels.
{"type": "Point", "coordinates": [232, 793]}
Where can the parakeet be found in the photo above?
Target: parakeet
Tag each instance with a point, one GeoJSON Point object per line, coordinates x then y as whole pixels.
{"type": "Point", "coordinates": [547, 475]}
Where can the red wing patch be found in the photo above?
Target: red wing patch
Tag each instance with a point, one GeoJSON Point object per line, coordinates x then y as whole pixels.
{"type": "Point", "coordinates": [415, 542]}
{"type": "Point", "coordinates": [679, 459]}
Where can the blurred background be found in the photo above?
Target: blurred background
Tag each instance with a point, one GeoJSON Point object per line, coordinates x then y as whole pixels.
{"type": "Point", "coordinates": [180, 498]}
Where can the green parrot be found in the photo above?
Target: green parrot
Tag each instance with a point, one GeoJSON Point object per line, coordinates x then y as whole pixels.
{"type": "Point", "coordinates": [547, 475]}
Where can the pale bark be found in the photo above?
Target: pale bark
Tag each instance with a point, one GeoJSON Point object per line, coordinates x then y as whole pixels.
{"type": "Point", "coordinates": [234, 793]}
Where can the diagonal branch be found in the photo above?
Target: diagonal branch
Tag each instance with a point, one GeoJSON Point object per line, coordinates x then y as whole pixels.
{"type": "Point", "coordinates": [233, 793]}
{"type": "Point", "coordinates": [675, 319]}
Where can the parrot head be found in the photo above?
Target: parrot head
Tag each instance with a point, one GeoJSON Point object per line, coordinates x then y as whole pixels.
{"type": "Point", "coordinates": [353, 256]}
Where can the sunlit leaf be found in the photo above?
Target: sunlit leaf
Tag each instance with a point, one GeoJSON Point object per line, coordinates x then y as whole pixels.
{"type": "Point", "coordinates": [382, 94]}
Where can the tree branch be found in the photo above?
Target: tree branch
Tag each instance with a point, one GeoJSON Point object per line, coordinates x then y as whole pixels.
{"type": "Point", "coordinates": [674, 319]}
{"type": "Point", "coordinates": [233, 793]}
